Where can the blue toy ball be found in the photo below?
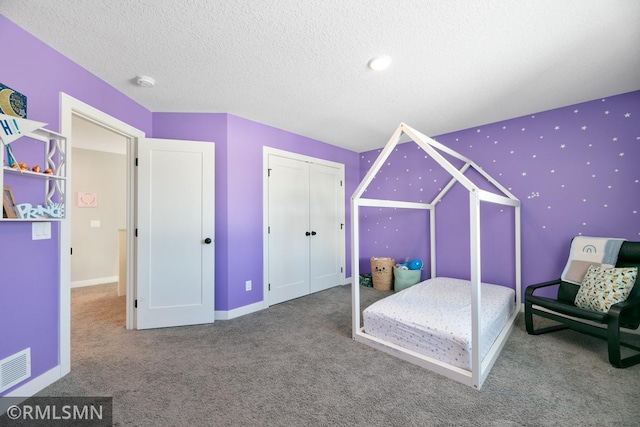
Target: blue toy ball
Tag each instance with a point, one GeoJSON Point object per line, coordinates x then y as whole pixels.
{"type": "Point", "coordinates": [416, 264]}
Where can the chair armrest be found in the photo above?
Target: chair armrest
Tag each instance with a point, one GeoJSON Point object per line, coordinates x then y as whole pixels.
{"type": "Point", "coordinates": [531, 288]}
{"type": "Point", "coordinates": [616, 309]}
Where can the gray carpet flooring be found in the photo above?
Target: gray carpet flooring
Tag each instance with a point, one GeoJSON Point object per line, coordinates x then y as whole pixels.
{"type": "Point", "coordinates": [295, 364]}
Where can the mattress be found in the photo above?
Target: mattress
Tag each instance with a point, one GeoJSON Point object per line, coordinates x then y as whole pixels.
{"type": "Point", "coordinates": [433, 318]}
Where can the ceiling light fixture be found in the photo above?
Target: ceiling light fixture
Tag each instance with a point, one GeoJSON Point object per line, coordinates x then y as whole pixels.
{"type": "Point", "coordinates": [379, 63]}
{"type": "Point", "coordinates": [145, 81]}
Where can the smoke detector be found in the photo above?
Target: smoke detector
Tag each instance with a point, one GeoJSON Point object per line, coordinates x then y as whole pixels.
{"type": "Point", "coordinates": [145, 81]}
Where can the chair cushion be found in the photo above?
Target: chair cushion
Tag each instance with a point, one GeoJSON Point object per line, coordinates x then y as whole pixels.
{"type": "Point", "coordinates": [602, 287]}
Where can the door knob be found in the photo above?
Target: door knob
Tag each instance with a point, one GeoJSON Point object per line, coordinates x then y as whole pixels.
{"type": "Point", "coordinates": [207, 241]}
{"type": "Point", "coordinates": [313, 233]}
{"type": "Point", "coordinates": [307, 234]}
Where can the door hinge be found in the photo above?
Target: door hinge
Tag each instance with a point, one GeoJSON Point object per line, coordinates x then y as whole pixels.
{"type": "Point", "coordinates": [268, 172]}
{"type": "Point", "coordinates": [341, 226]}
{"type": "Point", "coordinates": [71, 252]}
{"type": "Point", "coordinates": [136, 233]}
{"type": "Point", "coordinates": [341, 269]}
{"type": "Point", "coordinates": [269, 286]}
{"type": "Point", "coordinates": [135, 304]}
{"type": "Point", "coordinates": [268, 229]}
{"type": "Point", "coordinates": [340, 183]}
{"type": "Point", "coordinates": [136, 161]}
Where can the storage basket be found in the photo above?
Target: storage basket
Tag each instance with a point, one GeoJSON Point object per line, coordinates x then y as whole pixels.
{"type": "Point", "coordinates": [382, 273]}
{"type": "Point", "coordinates": [365, 280]}
{"type": "Point", "coordinates": [405, 278]}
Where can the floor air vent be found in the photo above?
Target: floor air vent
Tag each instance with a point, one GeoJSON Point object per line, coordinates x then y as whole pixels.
{"type": "Point", "coordinates": [15, 368]}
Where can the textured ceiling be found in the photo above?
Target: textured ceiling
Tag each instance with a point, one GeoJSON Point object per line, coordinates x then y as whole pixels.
{"type": "Point", "coordinates": [300, 65]}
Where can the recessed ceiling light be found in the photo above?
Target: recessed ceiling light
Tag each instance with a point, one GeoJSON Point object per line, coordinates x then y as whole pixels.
{"type": "Point", "coordinates": [379, 63]}
{"type": "Point", "coordinates": [145, 81]}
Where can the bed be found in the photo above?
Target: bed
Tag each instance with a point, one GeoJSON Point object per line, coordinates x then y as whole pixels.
{"type": "Point", "coordinates": [433, 318]}
{"type": "Point", "coordinates": [474, 324]}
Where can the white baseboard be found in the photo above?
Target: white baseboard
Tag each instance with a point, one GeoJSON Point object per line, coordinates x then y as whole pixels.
{"type": "Point", "coordinates": [347, 281]}
{"type": "Point", "coordinates": [241, 311]}
{"type": "Point", "coordinates": [92, 282]}
{"type": "Point", "coordinates": [30, 388]}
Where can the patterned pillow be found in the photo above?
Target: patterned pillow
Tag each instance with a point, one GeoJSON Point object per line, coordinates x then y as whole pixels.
{"type": "Point", "coordinates": [603, 287]}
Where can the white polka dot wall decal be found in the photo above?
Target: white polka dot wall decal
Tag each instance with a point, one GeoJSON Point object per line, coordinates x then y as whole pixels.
{"type": "Point", "coordinates": [608, 186]}
{"type": "Point", "coordinates": [614, 139]}
{"type": "Point", "coordinates": [562, 185]}
{"type": "Point", "coordinates": [584, 223]}
{"type": "Point", "coordinates": [534, 156]}
{"type": "Point", "coordinates": [533, 117]}
{"type": "Point", "coordinates": [553, 171]}
{"type": "Point", "coordinates": [511, 152]}
{"type": "Point", "coordinates": [616, 170]}
{"type": "Point", "coordinates": [635, 212]}
{"type": "Point", "coordinates": [606, 206]}
{"type": "Point", "coordinates": [524, 174]}
{"type": "Point", "coordinates": [588, 163]}
{"type": "Point", "coordinates": [478, 130]}
{"type": "Point", "coordinates": [606, 112]}
{"type": "Point", "coordinates": [584, 200]}
{"type": "Point", "coordinates": [621, 154]}
{"type": "Point", "coordinates": [575, 111]}
{"type": "Point", "coordinates": [504, 127]}
{"type": "Point", "coordinates": [544, 226]}
{"type": "Point", "coordinates": [523, 129]}
{"type": "Point", "coordinates": [562, 146]}
{"type": "Point", "coordinates": [495, 142]}
{"type": "Point", "coordinates": [627, 115]}
{"type": "Point", "coordinates": [557, 128]}
{"type": "Point", "coordinates": [583, 128]}
{"type": "Point", "coordinates": [593, 176]}
{"type": "Point", "coordinates": [548, 207]}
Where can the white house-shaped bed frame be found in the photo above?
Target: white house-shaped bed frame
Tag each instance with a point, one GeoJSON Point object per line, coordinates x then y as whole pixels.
{"type": "Point", "coordinates": [479, 368]}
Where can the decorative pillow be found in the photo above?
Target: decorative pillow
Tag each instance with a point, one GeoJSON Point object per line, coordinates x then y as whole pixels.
{"type": "Point", "coordinates": [603, 287]}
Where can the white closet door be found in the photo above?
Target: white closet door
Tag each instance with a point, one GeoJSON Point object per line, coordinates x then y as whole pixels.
{"type": "Point", "coordinates": [288, 225]}
{"type": "Point", "coordinates": [325, 194]}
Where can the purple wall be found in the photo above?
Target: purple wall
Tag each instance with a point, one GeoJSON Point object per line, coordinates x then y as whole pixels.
{"type": "Point", "coordinates": [29, 279]}
{"type": "Point", "coordinates": [574, 169]}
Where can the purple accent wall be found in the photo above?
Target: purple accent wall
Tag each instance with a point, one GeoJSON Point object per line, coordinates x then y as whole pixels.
{"type": "Point", "coordinates": [573, 168]}
{"type": "Point", "coordinates": [29, 280]}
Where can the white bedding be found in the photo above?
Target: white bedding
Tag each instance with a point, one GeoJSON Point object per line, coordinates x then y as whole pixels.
{"type": "Point", "coordinates": [433, 318]}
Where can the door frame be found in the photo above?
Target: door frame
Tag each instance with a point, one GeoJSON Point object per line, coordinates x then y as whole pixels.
{"type": "Point", "coordinates": [266, 152]}
{"type": "Point", "coordinates": [70, 107]}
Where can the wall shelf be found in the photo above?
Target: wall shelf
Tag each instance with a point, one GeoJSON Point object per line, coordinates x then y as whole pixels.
{"type": "Point", "coordinates": [52, 189]}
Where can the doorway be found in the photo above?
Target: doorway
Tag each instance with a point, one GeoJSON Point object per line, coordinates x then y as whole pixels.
{"type": "Point", "coordinates": [98, 204]}
{"type": "Point", "coordinates": [72, 109]}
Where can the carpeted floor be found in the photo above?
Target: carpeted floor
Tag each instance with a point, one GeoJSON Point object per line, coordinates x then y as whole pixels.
{"type": "Point", "coordinates": [295, 364]}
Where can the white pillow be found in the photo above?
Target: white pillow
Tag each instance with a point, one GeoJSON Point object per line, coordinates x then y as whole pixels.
{"type": "Point", "coordinates": [603, 287]}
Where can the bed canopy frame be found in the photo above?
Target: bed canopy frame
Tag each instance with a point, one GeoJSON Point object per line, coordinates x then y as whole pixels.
{"type": "Point", "coordinates": [479, 368]}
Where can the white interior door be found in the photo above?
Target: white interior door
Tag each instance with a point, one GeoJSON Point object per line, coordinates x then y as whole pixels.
{"type": "Point", "coordinates": [326, 223]}
{"type": "Point", "coordinates": [288, 228]}
{"type": "Point", "coordinates": [175, 232]}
